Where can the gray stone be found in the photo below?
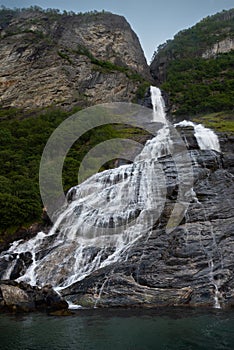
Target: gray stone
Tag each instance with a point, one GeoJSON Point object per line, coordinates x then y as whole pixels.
{"type": "Point", "coordinates": [48, 61]}
{"type": "Point", "coordinates": [183, 267]}
{"type": "Point", "coordinates": [21, 297]}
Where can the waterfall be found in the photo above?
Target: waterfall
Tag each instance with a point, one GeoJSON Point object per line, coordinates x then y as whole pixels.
{"type": "Point", "coordinates": [158, 104]}
{"type": "Point", "coordinates": [107, 214]}
{"type": "Point", "coordinates": [206, 138]}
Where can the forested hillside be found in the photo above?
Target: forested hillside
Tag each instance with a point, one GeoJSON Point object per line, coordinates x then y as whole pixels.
{"type": "Point", "coordinates": [53, 64]}
{"type": "Point", "coordinates": [196, 68]}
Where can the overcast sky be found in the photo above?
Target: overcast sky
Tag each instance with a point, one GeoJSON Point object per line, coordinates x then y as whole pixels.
{"type": "Point", "coordinates": [154, 21]}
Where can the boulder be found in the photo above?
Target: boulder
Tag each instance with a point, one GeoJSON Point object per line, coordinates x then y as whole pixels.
{"type": "Point", "coordinates": [21, 297]}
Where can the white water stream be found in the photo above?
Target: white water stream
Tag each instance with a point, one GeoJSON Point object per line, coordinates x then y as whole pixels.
{"type": "Point", "coordinates": [107, 214]}
{"type": "Point", "coordinates": [206, 138]}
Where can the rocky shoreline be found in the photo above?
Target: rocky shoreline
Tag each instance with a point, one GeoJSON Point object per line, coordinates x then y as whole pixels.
{"type": "Point", "coordinates": [21, 297]}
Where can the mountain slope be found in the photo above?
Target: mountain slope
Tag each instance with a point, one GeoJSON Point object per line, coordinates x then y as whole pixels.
{"type": "Point", "coordinates": [47, 58]}
{"type": "Point", "coordinates": [51, 65]}
{"type": "Point", "coordinates": [128, 256]}
{"type": "Point", "coordinates": [196, 68]}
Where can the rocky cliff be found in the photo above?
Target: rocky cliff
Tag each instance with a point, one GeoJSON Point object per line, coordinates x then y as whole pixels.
{"type": "Point", "coordinates": [68, 60]}
{"type": "Point", "coordinates": [223, 46]}
{"type": "Point", "coordinates": [193, 264]}
{"type": "Point", "coordinates": [190, 265]}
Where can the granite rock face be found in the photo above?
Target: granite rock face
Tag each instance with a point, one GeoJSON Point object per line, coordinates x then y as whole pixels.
{"type": "Point", "coordinates": [188, 265]}
{"type": "Point", "coordinates": [68, 60]}
{"type": "Point", "coordinates": [83, 60]}
{"type": "Point", "coordinates": [227, 146]}
{"type": "Point", "coordinates": [192, 265]}
{"type": "Point", "coordinates": [223, 46]}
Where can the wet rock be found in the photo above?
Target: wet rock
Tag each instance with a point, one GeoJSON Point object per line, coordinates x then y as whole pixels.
{"type": "Point", "coordinates": [46, 221]}
{"type": "Point", "coordinates": [21, 297]}
{"type": "Point", "coordinates": [23, 261]}
{"type": "Point", "coordinates": [187, 135]}
{"type": "Point", "coordinates": [23, 233]}
{"type": "Point", "coordinates": [188, 264]}
{"type": "Point", "coordinates": [192, 265]}
{"type": "Point", "coordinates": [16, 298]}
{"type": "Point", "coordinates": [227, 146]}
{"type": "Point", "coordinates": [121, 290]}
{"type": "Point", "coordinates": [4, 263]}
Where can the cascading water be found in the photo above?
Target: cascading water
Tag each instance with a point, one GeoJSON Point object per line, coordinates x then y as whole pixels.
{"type": "Point", "coordinates": [206, 140]}
{"type": "Point", "coordinates": [205, 137]}
{"type": "Point", "coordinates": [106, 215]}
{"type": "Point", "coordinates": [158, 104]}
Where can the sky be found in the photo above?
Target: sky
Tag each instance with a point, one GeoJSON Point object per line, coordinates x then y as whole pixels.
{"type": "Point", "coordinates": [154, 21]}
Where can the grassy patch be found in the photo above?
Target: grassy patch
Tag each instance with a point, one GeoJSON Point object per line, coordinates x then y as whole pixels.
{"type": "Point", "coordinates": [221, 121]}
{"type": "Point", "coordinates": [65, 56]}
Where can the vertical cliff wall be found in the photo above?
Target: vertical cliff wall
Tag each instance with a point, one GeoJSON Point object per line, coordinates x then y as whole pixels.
{"type": "Point", "coordinates": [66, 60]}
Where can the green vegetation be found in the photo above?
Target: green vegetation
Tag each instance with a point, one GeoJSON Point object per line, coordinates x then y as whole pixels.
{"type": "Point", "coordinates": [65, 56]}
{"type": "Point", "coordinates": [221, 122]}
{"type": "Point", "coordinates": [198, 85]}
{"type": "Point", "coordinates": [194, 41]}
{"type": "Point", "coordinates": [21, 145]}
{"type": "Point", "coordinates": [141, 90]}
{"type": "Point", "coordinates": [6, 13]}
{"type": "Point", "coordinates": [10, 113]}
{"type": "Point", "coordinates": [195, 84]}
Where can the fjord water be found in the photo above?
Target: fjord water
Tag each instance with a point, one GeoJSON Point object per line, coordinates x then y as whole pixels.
{"type": "Point", "coordinates": [181, 329]}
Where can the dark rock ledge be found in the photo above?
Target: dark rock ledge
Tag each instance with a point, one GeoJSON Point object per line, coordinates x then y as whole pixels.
{"type": "Point", "coordinates": [21, 297]}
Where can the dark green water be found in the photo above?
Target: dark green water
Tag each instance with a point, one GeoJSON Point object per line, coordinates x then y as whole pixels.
{"type": "Point", "coordinates": [124, 330]}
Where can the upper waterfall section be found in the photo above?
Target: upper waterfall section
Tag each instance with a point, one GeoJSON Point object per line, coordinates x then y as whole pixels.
{"type": "Point", "coordinates": [158, 104]}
